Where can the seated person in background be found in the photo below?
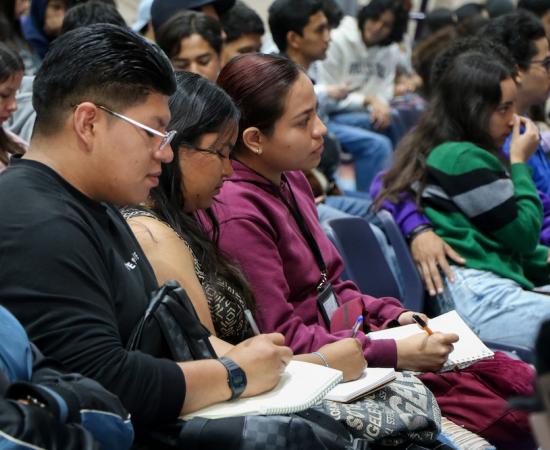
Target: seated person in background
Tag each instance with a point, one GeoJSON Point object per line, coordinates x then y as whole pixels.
{"type": "Point", "coordinates": [243, 29]}
{"type": "Point", "coordinates": [193, 42]}
{"type": "Point", "coordinates": [11, 74]}
{"type": "Point", "coordinates": [11, 34]}
{"type": "Point", "coordinates": [268, 224]}
{"type": "Point", "coordinates": [484, 207]}
{"type": "Point", "coordinates": [44, 408]}
{"type": "Point", "coordinates": [522, 36]}
{"type": "Point", "coordinates": [162, 10]}
{"type": "Point", "coordinates": [88, 13]}
{"type": "Point", "coordinates": [301, 31]}
{"type": "Point", "coordinates": [172, 237]}
{"type": "Point", "coordinates": [363, 56]}
{"type": "Point", "coordinates": [71, 269]}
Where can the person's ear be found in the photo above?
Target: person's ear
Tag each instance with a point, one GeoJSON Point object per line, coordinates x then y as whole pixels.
{"type": "Point", "coordinates": [252, 139]}
{"type": "Point", "coordinates": [293, 40]}
{"type": "Point", "coordinates": [519, 75]}
{"type": "Point", "coordinates": [84, 121]}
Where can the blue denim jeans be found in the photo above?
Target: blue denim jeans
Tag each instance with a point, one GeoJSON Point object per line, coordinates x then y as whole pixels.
{"type": "Point", "coordinates": [362, 119]}
{"type": "Point", "coordinates": [496, 308]}
{"type": "Point", "coordinates": [371, 152]}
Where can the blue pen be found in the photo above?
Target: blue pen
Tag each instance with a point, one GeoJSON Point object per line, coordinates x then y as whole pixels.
{"type": "Point", "coordinates": [355, 328]}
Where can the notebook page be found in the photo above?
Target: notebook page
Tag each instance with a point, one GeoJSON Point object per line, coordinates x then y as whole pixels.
{"type": "Point", "coordinates": [301, 386]}
{"type": "Point", "coordinates": [372, 378]}
{"type": "Point", "coordinates": [468, 349]}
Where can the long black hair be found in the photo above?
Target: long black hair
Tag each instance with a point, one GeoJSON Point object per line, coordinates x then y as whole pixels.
{"type": "Point", "coordinates": [10, 64]}
{"type": "Point", "coordinates": [197, 107]}
{"type": "Point", "coordinates": [466, 92]}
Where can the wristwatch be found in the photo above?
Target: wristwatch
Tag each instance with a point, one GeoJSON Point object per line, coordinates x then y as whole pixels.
{"type": "Point", "coordinates": [236, 378]}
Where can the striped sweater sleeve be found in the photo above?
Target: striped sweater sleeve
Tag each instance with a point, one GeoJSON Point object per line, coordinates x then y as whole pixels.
{"type": "Point", "coordinates": [467, 179]}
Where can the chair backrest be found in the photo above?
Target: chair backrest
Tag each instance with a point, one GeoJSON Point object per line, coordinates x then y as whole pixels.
{"type": "Point", "coordinates": [413, 292]}
{"type": "Point", "coordinates": [364, 261]}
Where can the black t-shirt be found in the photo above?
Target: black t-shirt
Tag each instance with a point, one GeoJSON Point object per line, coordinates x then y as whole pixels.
{"type": "Point", "coordinates": [74, 275]}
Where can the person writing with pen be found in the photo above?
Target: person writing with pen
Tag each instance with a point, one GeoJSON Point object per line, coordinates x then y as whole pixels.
{"type": "Point", "coordinates": [173, 240]}
{"type": "Point", "coordinates": [269, 226]}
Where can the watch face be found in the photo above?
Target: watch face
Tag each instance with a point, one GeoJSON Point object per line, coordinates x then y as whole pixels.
{"type": "Point", "coordinates": [238, 377]}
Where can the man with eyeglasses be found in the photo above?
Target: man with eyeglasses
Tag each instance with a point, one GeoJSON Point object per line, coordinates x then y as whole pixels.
{"type": "Point", "coordinates": [70, 269]}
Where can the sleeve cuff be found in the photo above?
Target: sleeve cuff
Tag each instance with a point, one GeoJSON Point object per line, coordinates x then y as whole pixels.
{"type": "Point", "coordinates": [172, 392]}
{"type": "Point", "coordinates": [380, 352]}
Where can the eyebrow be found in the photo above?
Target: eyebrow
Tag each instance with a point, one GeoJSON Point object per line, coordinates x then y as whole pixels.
{"type": "Point", "coordinates": [307, 112]}
{"type": "Point", "coordinates": [161, 121]}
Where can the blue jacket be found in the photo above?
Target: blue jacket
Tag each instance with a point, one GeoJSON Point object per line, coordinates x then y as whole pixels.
{"type": "Point", "coordinates": [33, 28]}
{"type": "Point", "coordinates": [539, 164]}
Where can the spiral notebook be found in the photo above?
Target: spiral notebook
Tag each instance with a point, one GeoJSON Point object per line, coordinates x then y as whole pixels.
{"type": "Point", "coordinates": [467, 350]}
{"type": "Point", "coordinates": [373, 378]}
{"type": "Point", "coordinates": [302, 385]}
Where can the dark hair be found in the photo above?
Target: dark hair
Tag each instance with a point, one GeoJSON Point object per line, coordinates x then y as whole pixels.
{"type": "Point", "coordinates": [103, 63]}
{"type": "Point", "coordinates": [241, 20]}
{"type": "Point", "coordinates": [469, 10]}
{"type": "Point", "coordinates": [538, 7]}
{"type": "Point", "coordinates": [259, 85]}
{"type": "Point", "coordinates": [453, 37]}
{"type": "Point", "coordinates": [185, 24]}
{"type": "Point", "coordinates": [439, 18]}
{"type": "Point", "coordinates": [464, 97]}
{"type": "Point", "coordinates": [517, 32]}
{"type": "Point", "coordinates": [375, 9]}
{"type": "Point", "coordinates": [10, 27]}
{"type": "Point", "coordinates": [197, 107]}
{"type": "Point", "coordinates": [10, 64]}
{"type": "Point", "coordinates": [89, 13]}
{"type": "Point", "coordinates": [333, 12]}
{"type": "Point", "coordinates": [290, 15]}
{"type": "Point", "coordinates": [163, 10]}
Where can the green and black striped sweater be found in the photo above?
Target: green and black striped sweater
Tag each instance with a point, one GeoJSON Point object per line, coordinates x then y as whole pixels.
{"type": "Point", "coordinates": [490, 216]}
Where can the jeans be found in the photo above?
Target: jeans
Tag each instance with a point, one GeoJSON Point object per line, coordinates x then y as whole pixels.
{"type": "Point", "coordinates": [496, 308]}
{"type": "Point", "coordinates": [371, 151]}
{"type": "Point", "coordinates": [354, 206]}
{"type": "Point", "coordinates": [362, 119]}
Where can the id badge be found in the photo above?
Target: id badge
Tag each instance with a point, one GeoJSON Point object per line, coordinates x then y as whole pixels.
{"type": "Point", "coordinates": [327, 303]}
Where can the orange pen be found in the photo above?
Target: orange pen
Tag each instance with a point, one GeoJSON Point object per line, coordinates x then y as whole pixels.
{"type": "Point", "coordinates": [422, 324]}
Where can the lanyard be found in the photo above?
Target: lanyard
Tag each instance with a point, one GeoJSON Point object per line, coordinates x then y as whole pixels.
{"type": "Point", "coordinates": [306, 233]}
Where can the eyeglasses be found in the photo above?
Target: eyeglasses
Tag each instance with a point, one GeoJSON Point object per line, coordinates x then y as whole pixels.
{"type": "Point", "coordinates": [219, 153]}
{"type": "Point", "coordinates": [545, 63]}
{"type": "Point", "coordinates": [151, 132]}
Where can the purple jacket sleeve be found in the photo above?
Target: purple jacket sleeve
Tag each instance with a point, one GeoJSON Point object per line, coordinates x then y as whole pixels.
{"type": "Point", "coordinates": [545, 231]}
{"type": "Point", "coordinates": [405, 213]}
